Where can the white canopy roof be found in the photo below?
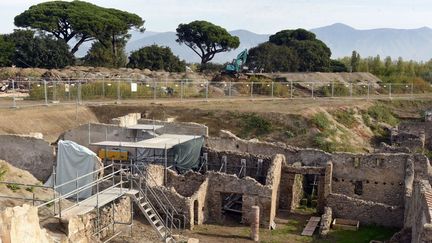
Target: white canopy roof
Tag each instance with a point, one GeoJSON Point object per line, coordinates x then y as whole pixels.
{"type": "Point", "coordinates": [144, 127]}
{"type": "Point", "coordinates": [165, 141]}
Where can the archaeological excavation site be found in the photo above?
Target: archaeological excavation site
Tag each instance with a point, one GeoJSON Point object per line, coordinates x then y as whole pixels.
{"type": "Point", "coordinates": [136, 179]}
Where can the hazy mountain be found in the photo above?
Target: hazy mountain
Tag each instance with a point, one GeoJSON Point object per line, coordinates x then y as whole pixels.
{"type": "Point", "coordinates": [342, 39]}
{"type": "Point", "coordinates": [247, 41]}
{"type": "Point", "coordinates": [415, 44]}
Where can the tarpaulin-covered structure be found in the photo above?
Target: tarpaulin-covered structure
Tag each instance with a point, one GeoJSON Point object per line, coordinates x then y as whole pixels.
{"type": "Point", "coordinates": [74, 161]}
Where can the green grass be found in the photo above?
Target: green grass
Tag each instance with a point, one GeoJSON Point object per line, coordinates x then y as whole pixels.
{"type": "Point", "coordinates": [345, 117]}
{"type": "Point", "coordinates": [321, 121]}
{"type": "Point", "coordinates": [382, 114]}
{"type": "Point", "coordinates": [255, 125]}
{"type": "Point", "coordinates": [364, 235]}
{"type": "Point", "coordinates": [13, 187]}
{"type": "Point", "coordinates": [3, 171]}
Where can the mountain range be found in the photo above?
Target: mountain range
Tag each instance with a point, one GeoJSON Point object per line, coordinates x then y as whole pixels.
{"type": "Point", "coordinates": [410, 44]}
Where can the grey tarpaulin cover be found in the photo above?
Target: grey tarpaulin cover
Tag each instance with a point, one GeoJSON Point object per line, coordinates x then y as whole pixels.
{"type": "Point", "coordinates": [186, 155]}
{"type": "Point", "coordinates": [72, 160]}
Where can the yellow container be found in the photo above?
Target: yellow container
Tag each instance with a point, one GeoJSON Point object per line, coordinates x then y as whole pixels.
{"type": "Point", "coordinates": [113, 154]}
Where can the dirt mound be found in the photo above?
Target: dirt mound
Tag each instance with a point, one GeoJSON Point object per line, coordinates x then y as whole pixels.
{"type": "Point", "coordinates": [50, 121]}
{"type": "Point", "coordinates": [358, 77]}
{"type": "Point", "coordinates": [17, 176]}
{"type": "Point", "coordinates": [78, 72]}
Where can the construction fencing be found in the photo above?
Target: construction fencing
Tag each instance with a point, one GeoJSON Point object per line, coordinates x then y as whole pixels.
{"type": "Point", "coordinates": [31, 92]}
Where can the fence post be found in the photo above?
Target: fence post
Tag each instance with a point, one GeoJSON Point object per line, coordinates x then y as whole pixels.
{"type": "Point", "coordinates": [312, 87]}
{"type": "Point", "coordinates": [272, 90]}
{"type": "Point", "coordinates": [181, 90]}
{"type": "Point", "coordinates": [291, 89]}
{"type": "Point", "coordinates": [412, 90]}
{"type": "Point", "coordinates": [154, 90]}
{"type": "Point", "coordinates": [13, 94]}
{"type": "Point", "coordinates": [368, 91]}
{"type": "Point", "coordinates": [69, 89]}
{"type": "Point", "coordinates": [207, 90]}
{"type": "Point", "coordinates": [46, 93]}
{"type": "Point", "coordinates": [251, 90]}
{"type": "Point", "coordinates": [332, 89]}
{"type": "Point", "coordinates": [103, 87]}
{"type": "Point", "coordinates": [118, 91]}
{"type": "Point", "coordinates": [230, 89]}
{"type": "Point", "coordinates": [79, 93]}
{"type": "Point", "coordinates": [390, 90]}
{"type": "Point", "coordinates": [351, 89]}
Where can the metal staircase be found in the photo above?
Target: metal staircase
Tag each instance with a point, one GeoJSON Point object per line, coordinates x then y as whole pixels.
{"type": "Point", "coordinates": [149, 201]}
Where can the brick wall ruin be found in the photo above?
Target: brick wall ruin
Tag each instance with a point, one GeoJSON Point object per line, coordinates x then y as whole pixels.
{"type": "Point", "coordinates": [371, 188]}
{"type": "Point", "coordinates": [192, 194]}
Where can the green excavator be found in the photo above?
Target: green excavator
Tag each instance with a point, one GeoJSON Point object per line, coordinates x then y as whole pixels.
{"type": "Point", "coordinates": [237, 66]}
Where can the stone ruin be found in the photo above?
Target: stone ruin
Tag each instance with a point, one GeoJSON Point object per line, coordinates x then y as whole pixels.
{"type": "Point", "coordinates": [389, 189]}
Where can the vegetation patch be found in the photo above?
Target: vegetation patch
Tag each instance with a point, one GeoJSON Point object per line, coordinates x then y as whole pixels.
{"type": "Point", "coordinates": [13, 187]}
{"type": "Point", "coordinates": [254, 124]}
{"type": "Point", "coordinates": [3, 171]}
{"type": "Point", "coordinates": [321, 121]}
{"type": "Point", "coordinates": [382, 114]}
{"type": "Point", "coordinates": [364, 235]}
{"type": "Point", "coordinates": [345, 117]}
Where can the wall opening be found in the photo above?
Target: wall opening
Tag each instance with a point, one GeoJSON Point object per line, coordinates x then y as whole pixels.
{"type": "Point", "coordinates": [358, 187]}
{"type": "Point", "coordinates": [232, 207]}
{"type": "Point", "coordinates": [196, 211]}
{"type": "Point", "coordinates": [310, 191]}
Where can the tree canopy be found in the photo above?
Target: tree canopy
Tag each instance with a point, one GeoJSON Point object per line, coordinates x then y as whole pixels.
{"type": "Point", "coordinates": [35, 51]}
{"type": "Point", "coordinates": [302, 52]}
{"type": "Point", "coordinates": [206, 39]}
{"type": "Point", "coordinates": [79, 20]}
{"type": "Point", "coordinates": [156, 58]}
{"type": "Point", "coordinates": [101, 56]}
{"type": "Point", "coordinates": [273, 58]}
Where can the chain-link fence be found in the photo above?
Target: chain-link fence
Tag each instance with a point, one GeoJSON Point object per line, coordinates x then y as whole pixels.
{"type": "Point", "coordinates": [80, 91]}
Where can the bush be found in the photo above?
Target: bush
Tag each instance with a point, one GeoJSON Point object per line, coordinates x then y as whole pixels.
{"type": "Point", "coordinates": [346, 117]}
{"type": "Point", "coordinates": [382, 114]}
{"type": "Point", "coordinates": [321, 121]}
{"type": "Point", "coordinates": [3, 171]}
{"type": "Point", "coordinates": [339, 90]}
{"type": "Point", "coordinates": [156, 58]}
{"type": "Point", "coordinates": [254, 124]}
{"type": "Point", "coordinates": [13, 187]}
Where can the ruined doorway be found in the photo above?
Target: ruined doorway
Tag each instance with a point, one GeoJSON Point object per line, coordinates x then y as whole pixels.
{"type": "Point", "coordinates": [232, 207]}
{"type": "Point", "coordinates": [195, 208]}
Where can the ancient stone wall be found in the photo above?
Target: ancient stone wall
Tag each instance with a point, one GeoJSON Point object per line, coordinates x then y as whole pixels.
{"type": "Point", "coordinates": [229, 142]}
{"type": "Point", "coordinates": [186, 184]}
{"type": "Point", "coordinates": [291, 191]}
{"type": "Point", "coordinates": [28, 153]}
{"type": "Point", "coordinates": [182, 128]}
{"type": "Point", "coordinates": [127, 120]}
{"type": "Point", "coordinates": [366, 212]}
{"type": "Point", "coordinates": [83, 227]}
{"type": "Point", "coordinates": [233, 159]}
{"type": "Point", "coordinates": [421, 130]}
{"type": "Point", "coordinates": [373, 177]}
{"type": "Point", "coordinates": [421, 204]}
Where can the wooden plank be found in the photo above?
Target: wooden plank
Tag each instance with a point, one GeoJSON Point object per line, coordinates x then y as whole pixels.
{"type": "Point", "coordinates": [94, 201]}
{"type": "Point", "coordinates": [311, 226]}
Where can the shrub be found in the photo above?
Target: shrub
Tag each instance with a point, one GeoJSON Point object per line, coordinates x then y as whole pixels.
{"type": "Point", "coordinates": [13, 187]}
{"type": "Point", "coordinates": [382, 114]}
{"type": "Point", "coordinates": [254, 124]}
{"type": "Point", "coordinates": [3, 171]}
{"type": "Point", "coordinates": [321, 121]}
{"type": "Point", "coordinates": [346, 117]}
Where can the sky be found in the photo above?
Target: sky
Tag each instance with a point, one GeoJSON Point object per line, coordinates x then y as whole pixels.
{"type": "Point", "coordinates": [259, 16]}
